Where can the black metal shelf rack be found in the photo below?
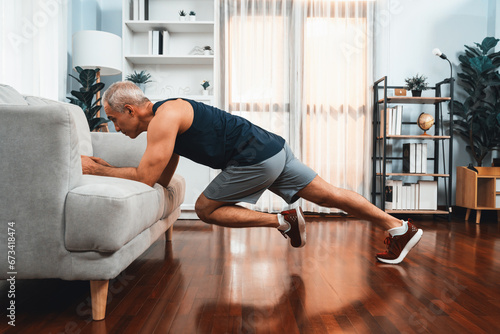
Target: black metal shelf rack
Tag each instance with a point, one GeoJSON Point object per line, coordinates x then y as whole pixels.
{"type": "Point", "coordinates": [441, 171]}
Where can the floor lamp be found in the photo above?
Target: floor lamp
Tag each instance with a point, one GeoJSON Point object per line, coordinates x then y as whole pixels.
{"type": "Point", "coordinates": [98, 49]}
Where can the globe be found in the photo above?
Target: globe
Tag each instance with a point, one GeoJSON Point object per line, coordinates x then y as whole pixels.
{"type": "Point", "coordinates": [425, 122]}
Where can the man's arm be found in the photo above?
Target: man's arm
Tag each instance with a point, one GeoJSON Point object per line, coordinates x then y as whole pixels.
{"type": "Point", "coordinates": [169, 171]}
{"type": "Point", "coordinates": [159, 151]}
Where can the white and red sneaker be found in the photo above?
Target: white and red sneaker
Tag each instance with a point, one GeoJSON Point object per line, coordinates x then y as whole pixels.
{"type": "Point", "coordinates": [399, 246]}
{"type": "Point", "coordinates": [296, 227]}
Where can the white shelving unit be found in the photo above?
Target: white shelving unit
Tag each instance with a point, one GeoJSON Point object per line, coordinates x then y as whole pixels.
{"type": "Point", "coordinates": [177, 72]}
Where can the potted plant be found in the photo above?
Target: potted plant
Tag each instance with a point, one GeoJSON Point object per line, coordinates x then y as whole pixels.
{"type": "Point", "coordinates": [205, 84]}
{"type": "Point", "coordinates": [416, 84]}
{"type": "Point", "coordinates": [140, 79]}
{"type": "Point", "coordinates": [192, 16]}
{"type": "Point", "coordinates": [84, 97]}
{"type": "Point", "coordinates": [477, 118]}
{"type": "Point", "coordinates": [207, 50]}
{"type": "Point", "coordinates": [182, 15]}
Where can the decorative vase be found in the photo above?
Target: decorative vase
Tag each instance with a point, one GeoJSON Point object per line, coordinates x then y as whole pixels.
{"type": "Point", "coordinates": [416, 93]}
{"type": "Point", "coordinates": [205, 92]}
{"type": "Point", "coordinates": [206, 52]}
{"type": "Point", "coordinates": [192, 17]}
{"type": "Point", "coordinates": [182, 18]}
{"type": "Point", "coordinates": [142, 86]}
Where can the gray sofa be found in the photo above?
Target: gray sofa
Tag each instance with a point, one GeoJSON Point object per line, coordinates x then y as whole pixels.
{"type": "Point", "coordinates": [68, 225]}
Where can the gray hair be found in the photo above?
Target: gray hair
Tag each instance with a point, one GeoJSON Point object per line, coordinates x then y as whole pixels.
{"type": "Point", "coordinates": [124, 92]}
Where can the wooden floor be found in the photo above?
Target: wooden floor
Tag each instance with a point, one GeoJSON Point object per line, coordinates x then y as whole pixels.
{"type": "Point", "coordinates": [216, 280]}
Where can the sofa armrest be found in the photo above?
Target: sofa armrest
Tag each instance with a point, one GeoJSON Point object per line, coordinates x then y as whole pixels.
{"type": "Point", "coordinates": [39, 164]}
{"type": "Point", "coordinates": [118, 149]}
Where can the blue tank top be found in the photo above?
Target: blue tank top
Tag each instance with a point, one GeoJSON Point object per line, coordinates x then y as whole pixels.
{"type": "Point", "coordinates": [218, 139]}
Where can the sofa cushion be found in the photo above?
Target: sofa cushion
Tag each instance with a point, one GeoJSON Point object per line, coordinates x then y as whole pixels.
{"type": "Point", "coordinates": [82, 126]}
{"type": "Point", "coordinates": [9, 95]}
{"type": "Point", "coordinates": [104, 213]}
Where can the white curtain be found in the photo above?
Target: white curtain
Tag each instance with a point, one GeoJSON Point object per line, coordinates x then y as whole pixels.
{"type": "Point", "coordinates": [33, 46]}
{"type": "Point", "coordinates": [302, 69]}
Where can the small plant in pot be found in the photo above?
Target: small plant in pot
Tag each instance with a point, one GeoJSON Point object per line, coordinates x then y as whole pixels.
{"type": "Point", "coordinates": [192, 16]}
{"type": "Point", "coordinates": [84, 97]}
{"type": "Point", "coordinates": [205, 84]}
{"type": "Point", "coordinates": [140, 79]}
{"type": "Point", "coordinates": [207, 50]}
{"type": "Point", "coordinates": [416, 84]}
{"type": "Point", "coordinates": [182, 15]}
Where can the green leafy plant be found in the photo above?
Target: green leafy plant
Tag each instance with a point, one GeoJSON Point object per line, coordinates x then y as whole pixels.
{"type": "Point", "coordinates": [192, 13]}
{"type": "Point", "coordinates": [182, 13]}
{"type": "Point", "coordinates": [84, 98]}
{"type": "Point", "coordinates": [205, 84]}
{"type": "Point", "coordinates": [142, 77]}
{"type": "Point", "coordinates": [418, 82]}
{"type": "Point", "coordinates": [477, 118]}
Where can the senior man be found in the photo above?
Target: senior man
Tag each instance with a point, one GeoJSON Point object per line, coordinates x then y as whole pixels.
{"type": "Point", "coordinates": [251, 159]}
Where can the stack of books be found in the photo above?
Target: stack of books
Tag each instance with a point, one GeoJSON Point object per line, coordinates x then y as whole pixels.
{"type": "Point", "coordinates": [415, 158]}
{"type": "Point", "coordinates": [393, 121]}
{"type": "Point", "coordinates": [158, 42]}
{"type": "Point", "coordinates": [411, 196]}
{"type": "Point", "coordinates": [140, 10]}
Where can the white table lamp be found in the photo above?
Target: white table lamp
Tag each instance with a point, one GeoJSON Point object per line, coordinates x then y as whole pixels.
{"type": "Point", "coordinates": [97, 49]}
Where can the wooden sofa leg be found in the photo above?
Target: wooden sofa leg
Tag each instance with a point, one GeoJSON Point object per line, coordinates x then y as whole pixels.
{"type": "Point", "coordinates": [99, 296]}
{"type": "Point", "coordinates": [168, 233]}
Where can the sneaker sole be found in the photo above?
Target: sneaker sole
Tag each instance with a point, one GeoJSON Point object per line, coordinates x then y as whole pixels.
{"type": "Point", "coordinates": [413, 241]}
{"type": "Point", "coordinates": [302, 227]}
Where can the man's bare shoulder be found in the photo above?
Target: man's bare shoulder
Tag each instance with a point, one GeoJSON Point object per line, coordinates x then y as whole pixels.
{"type": "Point", "coordinates": [176, 115]}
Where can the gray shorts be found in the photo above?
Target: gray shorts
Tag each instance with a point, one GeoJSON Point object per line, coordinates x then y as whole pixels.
{"type": "Point", "coordinates": [283, 174]}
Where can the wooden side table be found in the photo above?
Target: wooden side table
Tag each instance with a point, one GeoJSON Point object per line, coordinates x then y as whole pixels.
{"type": "Point", "coordinates": [478, 191]}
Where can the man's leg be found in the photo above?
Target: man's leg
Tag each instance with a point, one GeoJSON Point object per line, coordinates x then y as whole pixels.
{"type": "Point", "coordinates": [231, 215]}
{"type": "Point", "coordinates": [322, 193]}
{"type": "Point", "coordinates": [403, 235]}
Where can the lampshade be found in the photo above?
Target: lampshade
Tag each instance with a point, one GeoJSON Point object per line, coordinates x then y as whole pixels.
{"type": "Point", "coordinates": [98, 49]}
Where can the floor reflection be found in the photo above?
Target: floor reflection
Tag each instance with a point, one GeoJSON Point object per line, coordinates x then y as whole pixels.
{"type": "Point", "coordinates": [250, 318]}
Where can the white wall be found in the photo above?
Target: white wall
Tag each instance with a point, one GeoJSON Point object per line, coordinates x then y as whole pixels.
{"type": "Point", "coordinates": [406, 31]}
{"type": "Point", "coordinates": [417, 27]}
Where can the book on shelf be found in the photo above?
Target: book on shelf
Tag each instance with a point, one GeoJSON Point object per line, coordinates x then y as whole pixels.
{"type": "Point", "coordinates": [413, 198]}
{"type": "Point", "coordinates": [418, 158]}
{"type": "Point", "coordinates": [398, 118]}
{"type": "Point", "coordinates": [398, 193]}
{"type": "Point", "coordinates": [154, 42]}
{"type": "Point", "coordinates": [424, 158]}
{"type": "Point", "coordinates": [135, 10]}
{"type": "Point", "coordinates": [406, 194]}
{"type": "Point", "coordinates": [427, 199]}
{"type": "Point", "coordinates": [406, 158]}
{"type": "Point", "coordinates": [385, 120]}
{"type": "Point", "coordinates": [166, 42]}
{"type": "Point", "coordinates": [389, 195]}
{"type": "Point", "coordinates": [409, 158]}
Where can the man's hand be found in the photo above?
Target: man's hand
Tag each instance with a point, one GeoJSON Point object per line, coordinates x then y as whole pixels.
{"type": "Point", "coordinates": [89, 165]}
{"type": "Point", "coordinates": [100, 161]}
